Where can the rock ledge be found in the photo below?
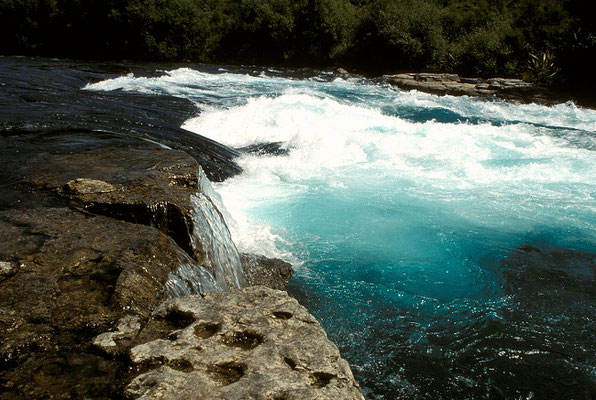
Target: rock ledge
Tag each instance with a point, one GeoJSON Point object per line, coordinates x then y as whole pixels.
{"type": "Point", "coordinates": [252, 343]}
{"type": "Point", "coordinates": [453, 84]}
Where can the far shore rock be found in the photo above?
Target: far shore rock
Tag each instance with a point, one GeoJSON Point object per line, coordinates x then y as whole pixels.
{"type": "Point", "coordinates": [453, 84]}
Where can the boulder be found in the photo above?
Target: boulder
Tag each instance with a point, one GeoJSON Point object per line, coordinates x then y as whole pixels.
{"type": "Point", "coordinates": [253, 343]}
{"type": "Point", "coordinates": [271, 272]}
{"type": "Point", "coordinates": [150, 185]}
{"type": "Point", "coordinates": [146, 184]}
{"type": "Point", "coordinates": [453, 84]}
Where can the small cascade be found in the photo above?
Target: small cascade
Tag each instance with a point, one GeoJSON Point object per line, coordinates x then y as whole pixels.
{"type": "Point", "coordinates": [211, 239]}
{"type": "Point", "coordinates": [190, 278]}
{"type": "Point", "coordinates": [213, 243]}
{"type": "Point", "coordinates": [206, 188]}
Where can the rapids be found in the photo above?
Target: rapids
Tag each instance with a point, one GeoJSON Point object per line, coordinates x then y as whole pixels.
{"type": "Point", "coordinates": [446, 244]}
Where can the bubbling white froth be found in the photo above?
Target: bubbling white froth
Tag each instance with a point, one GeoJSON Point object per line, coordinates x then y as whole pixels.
{"type": "Point", "coordinates": [347, 134]}
{"type": "Point", "coordinates": [350, 146]}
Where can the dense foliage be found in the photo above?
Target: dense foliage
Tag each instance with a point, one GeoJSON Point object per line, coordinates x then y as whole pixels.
{"type": "Point", "coordinates": [474, 37]}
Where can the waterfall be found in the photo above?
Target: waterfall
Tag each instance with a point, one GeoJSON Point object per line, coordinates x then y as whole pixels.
{"type": "Point", "coordinates": [190, 278]}
{"type": "Point", "coordinates": [216, 264]}
{"type": "Point", "coordinates": [206, 188]}
{"type": "Point", "coordinates": [211, 237]}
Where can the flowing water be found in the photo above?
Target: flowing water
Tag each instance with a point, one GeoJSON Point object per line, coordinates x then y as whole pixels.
{"type": "Point", "coordinates": [446, 244]}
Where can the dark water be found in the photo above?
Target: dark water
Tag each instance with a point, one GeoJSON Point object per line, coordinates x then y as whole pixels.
{"type": "Point", "coordinates": [447, 245]}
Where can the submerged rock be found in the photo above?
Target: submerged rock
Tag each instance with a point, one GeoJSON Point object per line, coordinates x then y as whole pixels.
{"type": "Point", "coordinates": [254, 343]}
{"type": "Point", "coordinates": [266, 149]}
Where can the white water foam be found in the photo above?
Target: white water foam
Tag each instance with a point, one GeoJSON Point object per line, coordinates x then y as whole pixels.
{"type": "Point", "coordinates": [347, 146]}
{"type": "Point", "coordinates": [524, 160]}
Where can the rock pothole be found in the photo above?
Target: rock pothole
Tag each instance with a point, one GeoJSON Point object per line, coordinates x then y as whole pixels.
{"type": "Point", "coordinates": [181, 365]}
{"type": "Point", "coordinates": [179, 319]}
{"type": "Point", "coordinates": [245, 340]}
{"type": "Point", "coordinates": [283, 315]}
{"type": "Point", "coordinates": [227, 373]}
{"type": "Point", "coordinates": [206, 330]}
{"type": "Point", "coordinates": [291, 363]}
{"type": "Point", "coordinates": [238, 345]}
{"type": "Point", "coordinates": [321, 379]}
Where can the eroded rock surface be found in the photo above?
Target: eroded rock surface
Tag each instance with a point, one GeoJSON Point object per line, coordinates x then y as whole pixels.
{"type": "Point", "coordinates": [253, 343]}
{"type": "Point", "coordinates": [72, 276]}
{"type": "Point", "coordinates": [95, 233]}
{"type": "Point", "coordinates": [453, 84]}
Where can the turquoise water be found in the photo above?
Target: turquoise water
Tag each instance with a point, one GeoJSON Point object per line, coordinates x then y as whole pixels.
{"type": "Point", "coordinates": [447, 244]}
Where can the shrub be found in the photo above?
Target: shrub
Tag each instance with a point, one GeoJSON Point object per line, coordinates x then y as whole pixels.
{"type": "Point", "coordinates": [541, 69]}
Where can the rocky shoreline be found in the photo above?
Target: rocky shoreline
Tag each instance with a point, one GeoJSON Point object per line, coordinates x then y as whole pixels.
{"type": "Point", "coordinates": [453, 84]}
{"type": "Point", "coordinates": [118, 279]}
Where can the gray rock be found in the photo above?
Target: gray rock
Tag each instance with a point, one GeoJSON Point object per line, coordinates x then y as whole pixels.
{"type": "Point", "coordinates": [8, 268]}
{"type": "Point", "coordinates": [82, 186]}
{"type": "Point", "coordinates": [253, 343]}
{"type": "Point", "coordinates": [453, 84]}
{"type": "Point", "coordinates": [271, 272]}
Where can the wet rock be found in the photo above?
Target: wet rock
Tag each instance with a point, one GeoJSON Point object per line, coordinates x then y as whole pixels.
{"type": "Point", "coordinates": [253, 343]}
{"type": "Point", "coordinates": [271, 272]}
{"type": "Point", "coordinates": [268, 149]}
{"type": "Point", "coordinates": [118, 341]}
{"type": "Point", "coordinates": [340, 71]}
{"type": "Point", "coordinates": [77, 275]}
{"type": "Point", "coordinates": [148, 185]}
{"type": "Point", "coordinates": [82, 186]}
{"type": "Point", "coordinates": [45, 95]}
{"type": "Point", "coordinates": [557, 276]}
{"type": "Point", "coordinates": [453, 84]}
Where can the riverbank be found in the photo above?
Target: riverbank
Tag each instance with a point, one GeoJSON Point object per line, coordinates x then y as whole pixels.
{"type": "Point", "coordinates": [419, 225]}
{"type": "Point", "coordinates": [102, 221]}
{"type": "Point", "coordinates": [513, 89]}
{"type": "Point", "coordinates": [453, 84]}
{"type": "Point", "coordinates": [115, 232]}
